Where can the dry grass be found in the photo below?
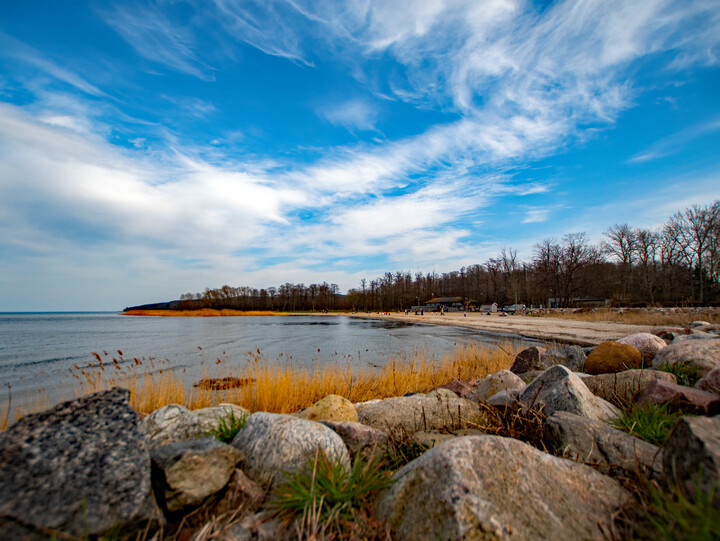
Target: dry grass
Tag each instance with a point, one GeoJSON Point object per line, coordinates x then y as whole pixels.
{"type": "Point", "coordinates": [203, 312]}
{"type": "Point", "coordinates": [283, 388]}
{"type": "Point", "coordinates": [638, 316]}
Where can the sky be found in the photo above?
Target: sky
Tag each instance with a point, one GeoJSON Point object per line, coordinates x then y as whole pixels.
{"type": "Point", "coordinates": [158, 147]}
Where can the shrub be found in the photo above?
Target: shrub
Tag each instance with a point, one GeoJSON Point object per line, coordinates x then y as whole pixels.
{"type": "Point", "coordinates": [651, 423]}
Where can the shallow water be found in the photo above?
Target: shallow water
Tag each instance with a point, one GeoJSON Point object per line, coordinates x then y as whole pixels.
{"type": "Point", "coordinates": [40, 351]}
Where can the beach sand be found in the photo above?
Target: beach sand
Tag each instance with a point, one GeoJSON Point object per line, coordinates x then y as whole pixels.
{"type": "Point", "coordinates": [584, 333]}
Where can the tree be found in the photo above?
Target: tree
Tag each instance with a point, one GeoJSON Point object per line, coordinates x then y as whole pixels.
{"type": "Point", "coordinates": [621, 242]}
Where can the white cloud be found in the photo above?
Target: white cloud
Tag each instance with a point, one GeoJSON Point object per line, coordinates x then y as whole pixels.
{"type": "Point", "coordinates": [352, 114]}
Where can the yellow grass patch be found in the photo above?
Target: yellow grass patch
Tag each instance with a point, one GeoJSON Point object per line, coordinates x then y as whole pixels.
{"type": "Point", "coordinates": [277, 387]}
{"type": "Point", "coordinates": [639, 316]}
{"type": "Point", "coordinates": [203, 312]}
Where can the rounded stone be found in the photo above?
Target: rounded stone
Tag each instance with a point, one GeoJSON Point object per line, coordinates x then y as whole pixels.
{"type": "Point", "coordinates": [331, 408]}
{"type": "Point", "coordinates": [611, 357]}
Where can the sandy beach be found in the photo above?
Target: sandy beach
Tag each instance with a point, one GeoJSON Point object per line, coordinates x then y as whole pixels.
{"type": "Point", "coordinates": [584, 333]}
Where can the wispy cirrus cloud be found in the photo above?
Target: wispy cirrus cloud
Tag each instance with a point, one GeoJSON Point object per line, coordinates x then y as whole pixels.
{"type": "Point", "coordinates": [352, 114]}
{"type": "Point", "coordinates": [674, 143]}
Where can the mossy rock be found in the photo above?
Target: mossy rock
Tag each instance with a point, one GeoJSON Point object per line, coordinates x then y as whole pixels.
{"type": "Point", "coordinates": [612, 357]}
{"type": "Point", "coordinates": [331, 408]}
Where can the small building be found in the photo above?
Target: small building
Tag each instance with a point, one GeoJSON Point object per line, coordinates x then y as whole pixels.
{"type": "Point", "coordinates": [450, 304]}
{"type": "Point", "coordinates": [489, 307]}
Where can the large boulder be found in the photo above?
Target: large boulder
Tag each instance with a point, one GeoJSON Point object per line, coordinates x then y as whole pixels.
{"type": "Point", "coordinates": [624, 388]}
{"type": "Point", "coordinates": [595, 442]}
{"type": "Point", "coordinates": [360, 438]}
{"type": "Point", "coordinates": [680, 398]}
{"type": "Point", "coordinates": [702, 355]}
{"type": "Point", "coordinates": [411, 414]}
{"type": "Point", "coordinates": [527, 360]}
{"type": "Point", "coordinates": [490, 487]}
{"type": "Point", "coordinates": [710, 382]}
{"type": "Point", "coordinates": [610, 357]}
{"type": "Point", "coordinates": [647, 344]}
{"type": "Point", "coordinates": [331, 408]}
{"type": "Point", "coordinates": [691, 454]}
{"type": "Point", "coordinates": [559, 389]}
{"type": "Point", "coordinates": [504, 380]}
{"type": "Point", "coordinates": [173, 423]}
{"type": "Point", "coordinates": [212, 416]}
{"type": "Point", "coordinates": [187, 472]}
{"type": "Point", "coordinates": [272, 443]}
{"type": "Point", "coordinates": [81, 468]}
{"type": "Point", "coordinates": [572, 357]}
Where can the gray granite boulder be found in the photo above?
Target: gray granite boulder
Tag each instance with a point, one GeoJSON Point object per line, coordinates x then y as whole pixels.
{"type": "Point", "coordinates": [624, 388]}
{"type": "Point", "coordinates": [595, 442]}
{"type": "Point", "coordinates": [490, 487]}
{"type": "Point", "coordinates": [272, 443]}
{"type": "Point", "coordinates": [213, 415]}
{"type": "Point", "coordinates": [527, 360]}
{"type": "Point", "coordinates": [703, 355]}
{"type": "Point", "coordinates": [81, 468]}
{"type": "Point", "coordinates": [691, 454]}
{"type": "Point", "coordinates": [648, 344]}
{"type": "Point", "coordinates": [431, 439]}
{"type": "Point", "coordinates": [559, 389]}
{"type": "Point", "coordinates": [572, 357]}
{"type": "Point", "coordinates": [360, 438]}
{"type": "Point", "coordinates": [411, 414]}
{"type": "Point", "coordinates": [186, 472]}
{"type": "Point", "coordinates": [504, 380]}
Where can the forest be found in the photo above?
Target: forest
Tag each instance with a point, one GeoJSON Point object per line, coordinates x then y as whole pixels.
{"type": "Point", "coordinates": [677, 263]}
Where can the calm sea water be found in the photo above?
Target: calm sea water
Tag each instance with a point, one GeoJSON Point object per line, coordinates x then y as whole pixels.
{"type": "Point", "coordinates": [39, 352]}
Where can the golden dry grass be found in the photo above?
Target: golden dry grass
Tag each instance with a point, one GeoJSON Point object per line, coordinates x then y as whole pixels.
{"type": "Point", "coordinates": [203, 312]}
{"type": "Point", "coordinates": [281, 388]}
{"type": "Point", "coordinates": [640, 316]}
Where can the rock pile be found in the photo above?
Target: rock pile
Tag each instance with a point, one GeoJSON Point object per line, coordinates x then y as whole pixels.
{"type": "Point", "coordinates": [91, 467]}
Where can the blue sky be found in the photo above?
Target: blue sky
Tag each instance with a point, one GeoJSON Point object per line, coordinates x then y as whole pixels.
{"type": "Point", "coordinates": [153, 148]}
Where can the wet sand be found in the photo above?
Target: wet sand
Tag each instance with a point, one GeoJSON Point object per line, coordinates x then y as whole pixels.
{"type": "Point", "coordinates": [584, 333]}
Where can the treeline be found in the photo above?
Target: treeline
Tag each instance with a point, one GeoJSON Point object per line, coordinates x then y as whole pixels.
{"type": "Point", "coordinates": [676, 263]}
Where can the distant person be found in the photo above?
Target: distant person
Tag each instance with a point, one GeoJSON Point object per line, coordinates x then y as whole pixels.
{"type": "Point", "coordinates": [422, 311]}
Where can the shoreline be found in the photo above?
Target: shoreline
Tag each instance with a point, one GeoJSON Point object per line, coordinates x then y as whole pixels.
{"type": "Point", "coordinates": [548, 329]}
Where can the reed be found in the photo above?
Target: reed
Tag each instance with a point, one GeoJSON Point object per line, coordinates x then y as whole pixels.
{"type": "Point", "coordinates": [280, 387]}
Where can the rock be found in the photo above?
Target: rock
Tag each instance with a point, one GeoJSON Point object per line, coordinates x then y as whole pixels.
{"type": "Point", "coordinates": [413, 413]}
{"type": "Point", "coordinates": [490, 487]}
{"type": "Point", "coordinates": [173, 423]}
{"type": "Point", "coordinates": [81, 468]}
{"type": "Point", "coordinates": [710, 382]}
{"type": "Point", "coordinates": [702, 355]}
{"type": "Point", "coordinates": [504, 399]}
{"type": "Point", "coordinates": [331, 408]}
{"type": "Point", "coordinates": [461, 387]}
{"type": "Point", "coordinates": [241, 492]}
{"type": "Point", "coordinates": [647, 344]}
{"type": "Point", "coordinates": [680, 398]}
{"type": "Point", "coordinates": [695, 336]}
{"type": "Point", "coordinates": [691, 454]}
{"type": "Point", "coordinates": [212, 416]}
{"type": "Point", "coordinates": [699, 324]}
{"type": "Point", "coordinates": [528, 359]}
{"type": "Point", "coordinates": [597, 443]}
{"type": "Point", "coordinates": [441, 393]}
{"type": "Point", "coordinates": [572, 357]}
{"type": "Point", "coordinates": [558, 389]}
{"type": "Point", "coordinates": [504, 380]}
{"type": "Point", "coordinates": [610, 357]}
{"type": "Point", "coordinates": [532, 375]}
{"type": "Point", "coordinates": [669, 334]}
{"type": "Point", "coordinates": [431, 439]}
{"type": "Point", "coordinates": [262, 526]}
{"type": "Point", "coordinates": [360, 438]}
{"type": "Point", "coordinates": [624, 388]}
{"type": "Point", "coordinates": [272, 443]}
{"type": "Point", "coordinates": [187, 472]}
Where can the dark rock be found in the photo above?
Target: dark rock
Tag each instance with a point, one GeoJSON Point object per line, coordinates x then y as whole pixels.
{"type": "Point", "coordinates": [597, 443]}
{"type": "Point", "coordinates": [559, 389]}
{"type": "Point", "coordinates": [572, 357]}
{"type": "Point", "coordinates": [610, 357]}
{"type": "Point", "coordinates": [360, 438]}
{"type": "Point", "coordinates": [187, 472]}
{"type": "Point", "coordinates": [528, 359]}
{"type": "Point", "coordinates": [680, 398]}
{"type": "Point", "coordinates": [691, 454]}
{"type": "Point", "coordinates": [490, 487]}
{"type": "Point", "coordinates": [81, 468]}
{"type": "Point", "coordinates": [710, 382]}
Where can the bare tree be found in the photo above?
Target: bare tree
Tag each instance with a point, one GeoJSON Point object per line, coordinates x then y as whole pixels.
{"type": "Point", "coordinates": [621, 242]}
{"type": "Point", "coordinates": [646, 251]}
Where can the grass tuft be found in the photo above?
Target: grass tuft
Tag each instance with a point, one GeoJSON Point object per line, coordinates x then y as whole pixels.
{"type": "Point", "coordinates": [686, 373]}
{"type": "Point", "coordinates": [326, 494]}
{"type": "Point", "coordinates": [228, 427]}
{"type": "Point", "coordinates": [650, 422]}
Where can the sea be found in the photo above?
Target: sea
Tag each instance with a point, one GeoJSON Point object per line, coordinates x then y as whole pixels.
{"type": "Point", "coordinates": [43, 355]}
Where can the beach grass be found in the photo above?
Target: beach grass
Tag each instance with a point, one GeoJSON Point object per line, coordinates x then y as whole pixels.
{"type": "Point", "coordinates": [279, 387]}
{"type": "Point", "coordinates": [639, 316]}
